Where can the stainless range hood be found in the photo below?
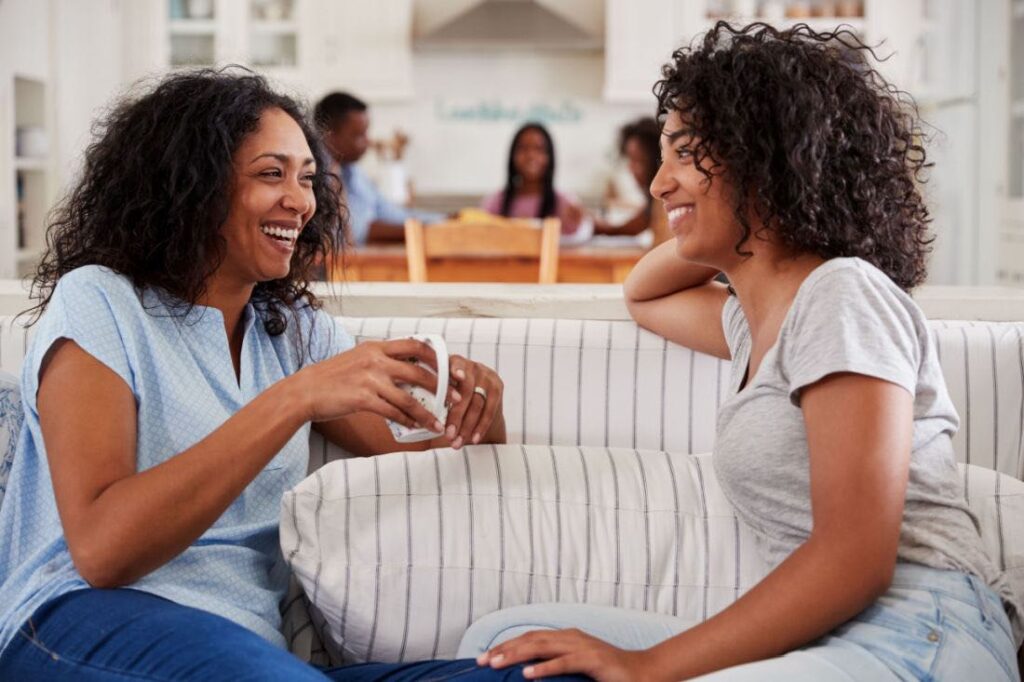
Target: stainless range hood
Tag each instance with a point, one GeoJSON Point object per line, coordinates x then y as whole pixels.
{"type": "Point", "coordinates": [508, 25]}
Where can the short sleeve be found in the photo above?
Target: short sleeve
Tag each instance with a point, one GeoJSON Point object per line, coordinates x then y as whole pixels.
{"type": "Point", "coordinates": [492, 204]}
{"type": "Point", "coordinates": [734, 325]}
{"type": "Point", "coordinates": [852, 320]}
{"type": "Point", "coordinates": [85, 309]}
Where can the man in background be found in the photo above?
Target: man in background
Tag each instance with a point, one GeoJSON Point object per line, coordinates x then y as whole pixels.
{"type": "Point", "coordinates": [344, 121]}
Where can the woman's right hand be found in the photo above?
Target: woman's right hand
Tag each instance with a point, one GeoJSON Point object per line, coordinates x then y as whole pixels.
{"type": "Point", "coordinates": [366, 378]}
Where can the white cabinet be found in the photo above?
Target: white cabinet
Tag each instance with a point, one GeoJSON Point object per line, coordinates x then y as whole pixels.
{"type": "Point", "coordinates": [642, 34]}
{"type": "Point", "coordinates": [1011, 238]}
{"type": "Point", "coordinates": [309, 46]}
{"type": "Point", "coordinates": [362, 47]}
{"type": "Point", "coordinates": [27, 186]}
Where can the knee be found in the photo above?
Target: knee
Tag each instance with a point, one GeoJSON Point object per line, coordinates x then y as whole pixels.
{"type": "Point", "coordinates": [501, 626]}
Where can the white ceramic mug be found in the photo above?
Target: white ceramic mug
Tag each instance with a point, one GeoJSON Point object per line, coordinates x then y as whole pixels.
{"type": "Point", "coordinates": [434, 402]}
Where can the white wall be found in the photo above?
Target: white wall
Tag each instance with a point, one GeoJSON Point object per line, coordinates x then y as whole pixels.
{"type": "Point", "coordinates": [87, 74]}
{"type": "Point", "coordinates": [467, 107]}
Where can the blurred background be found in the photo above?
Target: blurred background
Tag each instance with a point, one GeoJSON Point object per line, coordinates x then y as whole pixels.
{"type": "Point", "coordinates": [448, 82]}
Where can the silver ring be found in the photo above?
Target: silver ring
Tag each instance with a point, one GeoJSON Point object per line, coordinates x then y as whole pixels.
{"type": "Point", "coordinates": [480, 392]}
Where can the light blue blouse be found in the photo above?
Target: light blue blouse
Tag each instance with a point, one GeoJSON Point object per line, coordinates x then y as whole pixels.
{"type": "Point", "coordinates": [179, 369]}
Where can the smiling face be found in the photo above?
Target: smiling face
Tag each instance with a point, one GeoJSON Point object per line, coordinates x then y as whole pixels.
{"type": "Point", "coordinates": [271, 201]}
{"type": "Point", "coordinates": [700, 212]}
{"type": "Point", "coordinates": [530, 156]}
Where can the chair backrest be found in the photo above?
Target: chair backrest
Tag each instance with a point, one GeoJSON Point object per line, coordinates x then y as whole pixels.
{"type": "Point", "coordinates": [479, 240]}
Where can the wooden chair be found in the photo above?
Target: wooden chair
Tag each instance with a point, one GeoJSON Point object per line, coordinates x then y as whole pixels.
{"type": "Point", "coordinates": [471, 244]}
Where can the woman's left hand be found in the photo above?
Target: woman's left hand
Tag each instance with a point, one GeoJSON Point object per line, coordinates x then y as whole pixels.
{"type": "Point", "coordinates": [473, 418]}
{"type": "Point", "coordinates": [571, 651]}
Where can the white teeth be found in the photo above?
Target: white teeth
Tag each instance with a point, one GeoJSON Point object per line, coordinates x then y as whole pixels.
{"type": "Point", "coordinates": [290, 234]}
{"type": "Point", "coordinates": [679, 213]}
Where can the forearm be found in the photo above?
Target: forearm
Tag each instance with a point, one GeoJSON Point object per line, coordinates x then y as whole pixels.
{"type": "Point", "coordinates": [814, 590]}
{"type": "Point", "coordinates": [183, 496]}
{"type": "Point", "coordinates": [662, 272]}
{"type": "Point", "coordinates": [634, 226]}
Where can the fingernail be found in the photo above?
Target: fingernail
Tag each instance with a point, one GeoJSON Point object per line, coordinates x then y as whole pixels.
{"type": "Point", "coordinates": [456, 396]}
{"type": "Point", "coordinates": [457, 443]}
{"type": "Point", "coordinates": [450, 431]}
{"type": "Point", "coordinates": [476, 438]}
{"type": "Point", "coordinates": [498, 659]}
{"type": "Point", "coordinates": [460, 373]}
{"type": "Point", "coordinates": [482, 659]}
{"type": "Point", "coordinates": [528, 671]}
{"type": "Point", "coordinates": [438, 426]}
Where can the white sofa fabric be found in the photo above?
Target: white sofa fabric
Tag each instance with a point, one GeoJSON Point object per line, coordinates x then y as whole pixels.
{"type": "Point", "coordinates": [598, 383]}
{"type": "Point", "coordinates": [400, 554]}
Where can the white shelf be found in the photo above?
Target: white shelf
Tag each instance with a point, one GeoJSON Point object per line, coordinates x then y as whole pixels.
{"type": "Point", "coordinates": [23, 163]}
{"type": "Point", "coordinates": [193, 27]}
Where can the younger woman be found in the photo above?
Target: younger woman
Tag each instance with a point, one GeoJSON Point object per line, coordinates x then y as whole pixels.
{"type": "Point", "coordinates": [791, 165]}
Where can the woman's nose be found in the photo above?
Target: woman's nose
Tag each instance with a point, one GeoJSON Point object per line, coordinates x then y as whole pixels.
{"type": "Point", "coordinates": [296, 198]}
{"type": "Point", "coordinates": [662, 183]}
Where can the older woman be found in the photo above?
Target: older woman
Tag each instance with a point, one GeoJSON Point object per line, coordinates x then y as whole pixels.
{"type": "Point", "coordinates": [177, 368]}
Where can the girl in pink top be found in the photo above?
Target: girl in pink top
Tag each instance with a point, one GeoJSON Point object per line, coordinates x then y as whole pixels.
{"type": "Point", "coordinates": [530, 189]}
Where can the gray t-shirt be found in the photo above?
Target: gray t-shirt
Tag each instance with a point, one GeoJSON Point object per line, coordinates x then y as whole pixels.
{"type": "Point", "coordinates": [847, 316]}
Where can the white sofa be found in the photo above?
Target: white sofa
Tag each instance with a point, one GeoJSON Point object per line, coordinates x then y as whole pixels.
{"type": "Point", "coordinates": [608, 384]}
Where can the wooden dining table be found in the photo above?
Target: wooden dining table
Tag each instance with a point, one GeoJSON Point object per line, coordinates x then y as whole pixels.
{"type": "Point", "coordinates": [604, 264]}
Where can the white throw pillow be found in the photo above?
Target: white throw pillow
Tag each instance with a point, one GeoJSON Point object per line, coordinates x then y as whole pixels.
{"type": "Point", "coordinates": [399, 554]}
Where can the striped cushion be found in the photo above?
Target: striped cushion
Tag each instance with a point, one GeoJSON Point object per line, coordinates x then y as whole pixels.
{"type": "Point", "coordinates": [397, 569]}
{"type": "Point", "coordinates": [11, 418]}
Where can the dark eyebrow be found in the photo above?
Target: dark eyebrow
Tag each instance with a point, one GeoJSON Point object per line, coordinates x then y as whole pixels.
{"type": "Point", "coordinates": [676, 134]}
{"type": "Point", "coordinates": [283, 158]}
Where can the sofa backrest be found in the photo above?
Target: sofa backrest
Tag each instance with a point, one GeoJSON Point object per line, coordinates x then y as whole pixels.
{"type": "Point", "coordinates": [610, 383]}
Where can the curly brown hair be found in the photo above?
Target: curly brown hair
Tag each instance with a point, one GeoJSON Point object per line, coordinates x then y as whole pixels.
{"type": "Point", "coordinates": [155, 192]}
{"type": "Point", "coordinates": [815, 141]}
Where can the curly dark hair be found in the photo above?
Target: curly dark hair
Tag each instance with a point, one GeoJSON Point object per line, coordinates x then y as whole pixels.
{"type": "Point", "coordinates": [811, 137]}
{"type": "Point", "coordinates": [548, 201]}
{"type": "Point", "coordinates": [155, 192]}
{"type": "Point", "coordinates": [647, 132]}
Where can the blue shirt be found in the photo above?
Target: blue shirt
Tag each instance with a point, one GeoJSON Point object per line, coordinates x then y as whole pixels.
{"type": "Point", "coordinates": [180, 372]}
{"type": "Point", "coordinates": [366, 205]}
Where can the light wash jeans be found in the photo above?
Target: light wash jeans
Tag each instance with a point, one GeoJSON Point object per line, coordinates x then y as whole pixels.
{"type": "Point", "coordinates": [930, 625]}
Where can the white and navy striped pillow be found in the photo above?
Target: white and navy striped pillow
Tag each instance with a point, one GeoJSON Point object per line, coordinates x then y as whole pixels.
{"type": "Point", "coordinates": [400, 554]}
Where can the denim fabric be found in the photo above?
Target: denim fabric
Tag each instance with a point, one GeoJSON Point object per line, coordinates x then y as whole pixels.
{"type": "Point", "coordinates": [91, 635]}
{"type": "Point", "coordinates": [930, 625]}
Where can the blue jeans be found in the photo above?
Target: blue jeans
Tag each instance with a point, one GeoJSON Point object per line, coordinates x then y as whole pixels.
{"type": "Point", "coordinates": [930, 625]}
{"type": "Point", "coordinates": [126, 634]}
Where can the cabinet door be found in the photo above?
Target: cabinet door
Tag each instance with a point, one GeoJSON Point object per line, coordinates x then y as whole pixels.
{"type": "Point", "coordinates": [640, 36]}
{"type": "Point", "coordinates": [363, 47]}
